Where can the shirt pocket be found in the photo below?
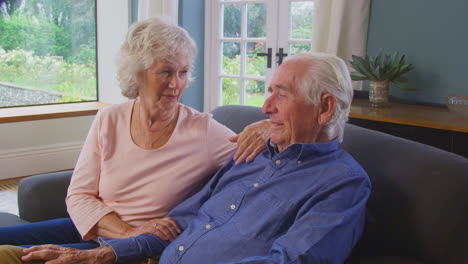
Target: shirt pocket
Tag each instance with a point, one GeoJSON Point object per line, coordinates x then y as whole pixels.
{"type": "Point", "coordinates": [263, 216]}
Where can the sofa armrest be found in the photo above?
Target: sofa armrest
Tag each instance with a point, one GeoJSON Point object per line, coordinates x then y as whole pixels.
{"type": "Point", "coordinates": [42, 197]}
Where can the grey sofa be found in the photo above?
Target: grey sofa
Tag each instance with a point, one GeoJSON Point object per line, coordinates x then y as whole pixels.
{"type": "Point", "coordinates": [417, 212]}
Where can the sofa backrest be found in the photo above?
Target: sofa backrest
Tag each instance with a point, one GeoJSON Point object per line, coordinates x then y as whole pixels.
{"type": "Point", "coordinates": [418, 207]}
{"type": "Point", "coordinates": [236, 117]}
{"type": "Point", "coordinates": [419, 204]}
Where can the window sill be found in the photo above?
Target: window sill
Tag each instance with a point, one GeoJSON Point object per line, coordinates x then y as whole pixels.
{"type": "Point", "coordinates": [31, 113]}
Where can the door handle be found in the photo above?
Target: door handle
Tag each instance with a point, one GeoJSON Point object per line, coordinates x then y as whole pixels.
{"type": "Point", "coordinates": [281, 55]}
{"type": "Point", "coordinates": [268, 55]}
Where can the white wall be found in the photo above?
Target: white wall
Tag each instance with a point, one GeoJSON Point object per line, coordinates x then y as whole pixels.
{"type": "Point", "coordinates": [33, 147]}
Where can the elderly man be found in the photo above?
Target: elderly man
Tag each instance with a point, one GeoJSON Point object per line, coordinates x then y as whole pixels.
{"type": "Point", "coordinates": [302, 200]}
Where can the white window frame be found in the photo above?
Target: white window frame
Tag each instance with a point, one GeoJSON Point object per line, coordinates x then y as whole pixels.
{"type": "Point", "coordinates": [212, 97]}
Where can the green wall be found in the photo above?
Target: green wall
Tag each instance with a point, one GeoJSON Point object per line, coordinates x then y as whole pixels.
{"type": "Point", "coordinates": [434, 36]}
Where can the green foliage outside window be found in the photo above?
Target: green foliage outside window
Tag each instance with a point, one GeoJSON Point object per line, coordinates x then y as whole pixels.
{"type": "Point", "coordinates": [50, 44]}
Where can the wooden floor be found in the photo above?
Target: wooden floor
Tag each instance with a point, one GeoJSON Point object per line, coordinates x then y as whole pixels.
{"type": "Point", "coordinates": [10, 184]}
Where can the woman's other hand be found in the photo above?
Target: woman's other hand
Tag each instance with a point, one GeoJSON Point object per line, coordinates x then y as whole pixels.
{"type": "Point", "coordinates": [166, 228]}
{"type": "Point", "coordinates": [251, 141]}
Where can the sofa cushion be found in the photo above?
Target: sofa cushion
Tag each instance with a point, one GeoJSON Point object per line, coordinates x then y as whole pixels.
{"type": "Point", "coordinates": [7, 219]}
{"type": "Point", "coordinates": [418, 200]}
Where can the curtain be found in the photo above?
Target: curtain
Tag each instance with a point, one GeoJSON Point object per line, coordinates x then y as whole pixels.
{"type": "Point", "coordinates": [152, 8]}
{"type": "Point", "coordinates": [340, 27]}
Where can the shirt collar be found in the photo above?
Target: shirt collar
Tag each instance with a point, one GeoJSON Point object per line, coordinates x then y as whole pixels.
{"type": "Point", "coordinates": [304, 150]}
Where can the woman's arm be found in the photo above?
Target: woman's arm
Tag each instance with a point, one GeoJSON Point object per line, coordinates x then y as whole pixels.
{"type": "Point", "coordinates": [111, 226]}
{"type": "Point", "coordinates": [83, 202]}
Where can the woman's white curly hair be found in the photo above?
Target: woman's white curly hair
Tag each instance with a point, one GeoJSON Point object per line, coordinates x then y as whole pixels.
{"type": "Point", "coordinates": [147, 42]}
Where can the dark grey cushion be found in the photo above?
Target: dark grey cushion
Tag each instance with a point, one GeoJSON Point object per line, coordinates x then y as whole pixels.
{"type": "Point", "coordinates": [418, 206]}
{"type": "Point", "coordinates": [42, 197]}
{"type": "Point", "coordinates": [7, 219]}
{"type": "Point", "coordinates": [236, 117]}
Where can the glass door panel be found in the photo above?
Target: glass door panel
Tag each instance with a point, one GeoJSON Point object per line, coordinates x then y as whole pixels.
{"type": "Point", "coordinates": [300, 20]}
{"type": "Point", "coordinates": [231, 91]}
{"type": "Point", "coordinates": [255, 93]}
{"type": "Point", "coordinates": [256, 65]}
{"type": "Point", "coordinates": [232, 20]}
{"type": "Point", "coordinates": [251, 38]}
{"type": "Point", "coordinates": [231, 58]}
{"type": "Point", "coordinates": [244, 34]}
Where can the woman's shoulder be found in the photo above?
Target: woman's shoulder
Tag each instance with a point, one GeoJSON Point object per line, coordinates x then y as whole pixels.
{"type": "Point", "coordinates": [115, 112]}
{"type": "Point", "coordinates": [203, 121]}
{"type": "Point", "coordinates": [188, 114]}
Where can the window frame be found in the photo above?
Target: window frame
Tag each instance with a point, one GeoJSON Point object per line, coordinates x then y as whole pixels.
{"type": "Point", "coordinates": [112, 21]}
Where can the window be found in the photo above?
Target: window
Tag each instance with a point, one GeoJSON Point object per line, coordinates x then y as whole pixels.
{"type": "Point", "coordinates": [246, 41]}
{"type": "Point", "coordinates": [47, 52]}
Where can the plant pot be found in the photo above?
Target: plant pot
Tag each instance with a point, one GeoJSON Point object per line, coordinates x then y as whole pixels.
{"type": "Point", "coordinates": [378, 93]}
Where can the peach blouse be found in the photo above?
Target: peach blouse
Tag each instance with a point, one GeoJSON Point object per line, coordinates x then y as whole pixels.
{"type": "Point", "coordinates": [113, 174]}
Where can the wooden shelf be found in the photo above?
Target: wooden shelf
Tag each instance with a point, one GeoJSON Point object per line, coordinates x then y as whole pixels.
{"type": "Point", "coordinates": [30, 113]}
{"type": "Point", "coordinates": [406, 114]}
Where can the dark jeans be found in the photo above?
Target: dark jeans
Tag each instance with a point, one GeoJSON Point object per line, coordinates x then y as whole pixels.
{"type": "Point", "coordinates": [60, 232]}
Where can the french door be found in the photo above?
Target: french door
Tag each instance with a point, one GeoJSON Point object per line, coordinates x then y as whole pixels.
{"type": "Point", "coordinates": [245, 41]}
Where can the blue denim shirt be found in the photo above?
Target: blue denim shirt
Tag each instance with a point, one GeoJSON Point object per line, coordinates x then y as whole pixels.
{"type": "Point", "coordinates": [303, 205]}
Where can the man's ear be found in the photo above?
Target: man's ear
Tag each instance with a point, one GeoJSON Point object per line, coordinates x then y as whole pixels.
{"type": "Point", "coordinates": [327, 108]}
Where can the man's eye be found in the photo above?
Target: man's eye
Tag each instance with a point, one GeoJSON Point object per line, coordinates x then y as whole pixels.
{"type": "Point", "coordinates": [183, 73]}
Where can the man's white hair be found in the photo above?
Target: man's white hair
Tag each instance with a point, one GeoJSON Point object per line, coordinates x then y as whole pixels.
{"type": "Point", "coordinates": [327, 73]}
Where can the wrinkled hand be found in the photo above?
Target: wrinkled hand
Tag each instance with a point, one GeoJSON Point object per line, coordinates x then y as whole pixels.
{"type": "Point", "coordinates": [165, 228]}
{"type": "Point", "coordinates": [251, 141]}
{"type": "Point", "coordinates": [53, 254]}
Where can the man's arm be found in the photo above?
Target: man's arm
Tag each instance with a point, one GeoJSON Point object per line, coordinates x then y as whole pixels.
{"type": "Point", "coordinates": [147, 245]}
{"type": "Point", "coordinates": [324, 232]}
{"type": "Point", "coordinates": [61, 255]}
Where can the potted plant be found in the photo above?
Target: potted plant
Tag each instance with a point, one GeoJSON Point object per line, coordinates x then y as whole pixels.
{"type": "Point", "coordinates": [380, 71]}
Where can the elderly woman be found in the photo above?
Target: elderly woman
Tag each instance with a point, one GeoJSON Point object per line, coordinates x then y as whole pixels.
{"type": "Point", "coordinates": [142, 157]}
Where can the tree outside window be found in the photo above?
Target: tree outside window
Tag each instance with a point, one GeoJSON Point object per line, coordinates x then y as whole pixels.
{"type": "Point", "coordinates": [47, 52]}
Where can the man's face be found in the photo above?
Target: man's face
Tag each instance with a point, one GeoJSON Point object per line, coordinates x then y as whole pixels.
{"type": "Point", "coordinates": [293, 120]}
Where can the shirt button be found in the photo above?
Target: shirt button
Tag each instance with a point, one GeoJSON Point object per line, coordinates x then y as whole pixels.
{"type": "Point", "coordinates": [208, 226]}
{"type": "Point", "coordinates": [299, 162]}
{"type": "Point", "coordinates": [233, 206]}
{"type": "Point", "coordinates": [278, 162]}
{"type": "Point", "coordinates": [181, 248]}
{"type": "Point", "coordinates": [255, 185]}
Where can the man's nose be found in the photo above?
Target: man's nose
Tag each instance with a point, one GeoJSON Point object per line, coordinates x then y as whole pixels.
{"type": "Point", "coordinates": [269, 106]}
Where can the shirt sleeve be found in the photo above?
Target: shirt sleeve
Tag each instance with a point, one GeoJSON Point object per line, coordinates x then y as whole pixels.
{"type": "Point", "coordinates": [325, 232]}
{"type": "Point", "coordinates": [145, 245]}
{"type": "Point", "coordinates": [218, 144]}
{"type": "Point", "coordinates": [83, 204]}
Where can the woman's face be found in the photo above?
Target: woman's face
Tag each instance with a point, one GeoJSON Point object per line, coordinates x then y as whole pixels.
{"type": "Point", "coordinates": [164, 82]}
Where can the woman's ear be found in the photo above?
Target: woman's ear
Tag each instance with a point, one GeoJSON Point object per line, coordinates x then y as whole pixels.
{"type": "Point", "coordinates": [327, 108]}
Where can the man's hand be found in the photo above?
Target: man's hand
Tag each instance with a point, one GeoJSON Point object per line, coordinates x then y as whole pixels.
{"type": "Point", "coordinates": [53, 254]}
{"type": "Point", "coordinates": [251, 141]}
{"type": "Point", "coordinates": [165, 228]}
